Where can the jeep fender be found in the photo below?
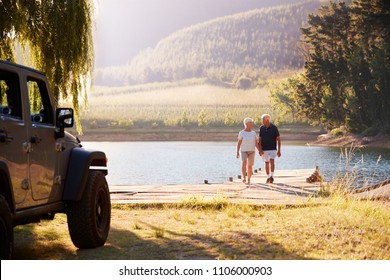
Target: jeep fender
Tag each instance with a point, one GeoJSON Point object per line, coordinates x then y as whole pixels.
{"type": "Point", "coordinates": [5, 185]}
{"type": "Point", "coordinates": [80, 162]}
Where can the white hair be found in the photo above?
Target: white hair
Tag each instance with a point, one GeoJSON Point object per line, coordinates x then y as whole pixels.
{"type": "Point", "coordinates": [265, 116]}
{"type": "Point", "coordinates": [247, 120]}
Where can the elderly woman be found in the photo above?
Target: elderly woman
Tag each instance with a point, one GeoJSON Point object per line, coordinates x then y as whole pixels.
{"type": "Point", "coordinates": [248, 140]}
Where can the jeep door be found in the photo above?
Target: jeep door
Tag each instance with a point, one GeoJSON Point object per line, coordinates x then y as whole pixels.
{"type": "Point", "coordinates": [44, 151]}
{"type": "Point", "coordinates": [13, 134]}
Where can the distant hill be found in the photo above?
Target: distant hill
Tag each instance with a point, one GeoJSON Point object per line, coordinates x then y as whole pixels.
{"type": "Point", "coordinates": [247, 46]}
{"type": "Point", "coordinates": [124, 28]}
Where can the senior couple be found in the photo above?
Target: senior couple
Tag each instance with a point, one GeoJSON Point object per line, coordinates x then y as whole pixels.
{"type": "Point", "coordinates": [267, 142]}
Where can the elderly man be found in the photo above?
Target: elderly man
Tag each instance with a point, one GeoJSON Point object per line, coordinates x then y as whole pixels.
{"type": "Point", "coordinates": [269, 145]}
{"type": "Point", "coordinates": [247, 142]}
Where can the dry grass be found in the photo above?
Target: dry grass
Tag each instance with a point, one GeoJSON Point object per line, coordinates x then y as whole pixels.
{"type": "Point", "coordinates": [338, 229]}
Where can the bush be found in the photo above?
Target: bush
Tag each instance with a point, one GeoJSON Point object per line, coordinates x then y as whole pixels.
{"type": "Point", "coordinates": [185, 120]}
{"type": "Point", "coordinates": [244, 82]}
{"type": "Point", "coordinates": [171, 122]}
{"type": "Point", "coordinates": [93, 124]}
{"type": "Point", "coordinates": [126, 123]}
{"type": "Point", "coordinates": [371, 131]}
{"type": "Point", "coordinates": [338, 131]}
{"type": "Point", "coordinates": [229, 121]}
{"type": "Point", "coordinates": [202, 119]}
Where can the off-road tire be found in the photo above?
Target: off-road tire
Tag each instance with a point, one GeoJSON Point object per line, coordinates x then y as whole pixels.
{"type": "Point", "coordinates": [89, 219]}
{"type": "Point", "coordinates": [6, 230]}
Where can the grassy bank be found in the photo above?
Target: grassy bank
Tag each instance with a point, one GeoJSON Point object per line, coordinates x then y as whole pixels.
{"type": "Point", "coordinates": [296, 132]}
{"type": "Point", "coordinates": [339, 228]}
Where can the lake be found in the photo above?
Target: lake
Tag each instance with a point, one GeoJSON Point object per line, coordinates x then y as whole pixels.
{"type": "Point", "coordinates": [162, 163]}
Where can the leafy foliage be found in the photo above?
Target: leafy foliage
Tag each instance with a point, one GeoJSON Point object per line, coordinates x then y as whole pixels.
{"type": "Point", "coordinates": [283, 98]}
{"type": "Point", "coordinates": [347, 70]}
{"type": "Point", "coordinates": [56, 36]}
{"type": "Point", "coordinates": [202, 119]}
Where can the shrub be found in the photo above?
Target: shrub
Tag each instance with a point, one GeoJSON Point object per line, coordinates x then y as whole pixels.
{"type": "Point", "coordinates": [229, 121]}
{"type": "Point", "coordinates": [338, 131]}
{"type": "Point", "coordinates": [93, 124]}
{"type": "Point", "coordinates": [202, 119]}
{"type": "Point", "coordinates": [244, 82]}
{"type": "Point", "coordinates": [126, 123]}
{"type": "Point", "coordinates": [371, 131]}
{"type": "Point", "coordinates": [184, 120]}
{"type": "Point", "coordinates": [171, 122]}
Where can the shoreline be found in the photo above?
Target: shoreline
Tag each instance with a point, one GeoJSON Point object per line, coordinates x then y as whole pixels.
{"type": "Point", "coordinates": [379, 141]}
{"type": "Point", "coordinates": [182, 136]}
{"type": "Point", "coordinates": [311, 139]}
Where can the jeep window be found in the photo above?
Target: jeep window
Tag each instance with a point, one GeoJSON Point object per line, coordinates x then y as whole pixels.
{"type": "Point", "coordinates": [40, 106]}
{"type": "Point", "coordinates": [10, 101]}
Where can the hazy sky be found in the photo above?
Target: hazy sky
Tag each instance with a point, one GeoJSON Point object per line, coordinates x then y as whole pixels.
{"type": "Point", "coordinates": [125, 27]}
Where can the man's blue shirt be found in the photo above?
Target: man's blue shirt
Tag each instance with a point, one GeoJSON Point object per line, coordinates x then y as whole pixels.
{"type": "Point", "coordinates": [268, 137]}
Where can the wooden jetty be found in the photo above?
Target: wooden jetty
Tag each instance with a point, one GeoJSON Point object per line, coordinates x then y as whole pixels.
{"type": "Point", "coordinates": [289, 187]}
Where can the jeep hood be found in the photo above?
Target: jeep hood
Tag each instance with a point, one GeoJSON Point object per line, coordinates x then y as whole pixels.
{"type": "Point", "coordinates": [70, 140]}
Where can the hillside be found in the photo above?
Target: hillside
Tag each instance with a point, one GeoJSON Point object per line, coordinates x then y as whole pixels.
{"type": "Point", "coordinates": [124, 28]}
{"type": "Point", "coordinates": [253, 44]}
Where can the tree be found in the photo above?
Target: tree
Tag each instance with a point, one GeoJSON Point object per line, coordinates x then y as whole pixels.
{"type": "Point", "coordinates": [229, 121]}
{"type": "Point", "coordinates": [347, 69]}
{"type": "Point", "coordinates": [328, 35]}
{"type": "Point", "coordinates": [202, 119]}
{"type": "Point", "coordinates": [185, 119]}
{"type": "Point", "coordinates": [283, 97]}
{"type": "Point", "coordinates": [372, 28]}
{"type": "Point", "coordinates": [57, 37]}
{"type": "Point", "coordinates": [244, 82]}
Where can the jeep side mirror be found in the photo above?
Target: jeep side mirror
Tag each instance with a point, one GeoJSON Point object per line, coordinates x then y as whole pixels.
{"type": "Point", "coordinates": [64, 117]}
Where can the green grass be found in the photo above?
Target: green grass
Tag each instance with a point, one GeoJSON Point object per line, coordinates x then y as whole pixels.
{"type": "Point", "coordinates": [339, 228]}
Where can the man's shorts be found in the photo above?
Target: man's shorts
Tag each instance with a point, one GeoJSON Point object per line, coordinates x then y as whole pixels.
{"type": "Point", "coordinates": [268, 155]}
{"type": "Point", "coordinates": [250, 156]}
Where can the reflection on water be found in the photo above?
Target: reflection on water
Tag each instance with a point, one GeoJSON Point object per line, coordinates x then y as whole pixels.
{"type": "Point", "coordinates": [150, 163]}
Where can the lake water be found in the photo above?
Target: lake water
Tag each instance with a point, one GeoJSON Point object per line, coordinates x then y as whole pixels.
{"type": "Point", "coordinates": [151, 163]}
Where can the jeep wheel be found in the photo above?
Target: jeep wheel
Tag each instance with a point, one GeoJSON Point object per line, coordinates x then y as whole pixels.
{"type": "Point", "coordinates": [6, 230]}
{"type": "Point", "coordinates": [89, 218]}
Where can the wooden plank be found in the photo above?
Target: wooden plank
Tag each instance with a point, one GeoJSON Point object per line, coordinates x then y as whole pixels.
{"type": "Point", "coordinates": [289, 187]}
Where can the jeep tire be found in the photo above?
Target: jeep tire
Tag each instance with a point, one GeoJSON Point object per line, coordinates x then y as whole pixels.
{"type": "Point", "coordinates": [6, 230]}
{"type": "Point", "coordinates": [89, 218]}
